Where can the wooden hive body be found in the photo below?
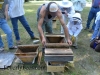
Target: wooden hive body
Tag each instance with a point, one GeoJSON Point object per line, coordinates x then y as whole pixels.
{"type": "Point", "coordinates": [27, 53]}
{"type": "Point", "coordinates": [55, 38]}
{"type": "Point", "coordinates": [58, 53]}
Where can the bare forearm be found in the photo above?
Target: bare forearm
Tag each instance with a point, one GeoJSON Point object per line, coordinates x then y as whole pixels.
{"type": "Point", "coordinates": [6, 11]}
{"type": "Point", "coordinates": [41, 32]}
{"type": "Point", "coordinates": [66, 31]}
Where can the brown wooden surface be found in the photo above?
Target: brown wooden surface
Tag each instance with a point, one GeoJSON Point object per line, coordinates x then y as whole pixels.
{"type": "Point", "coordinates": [57, 45]}
{"type": "Point", "coordinates": [55, 35]}
{"type": "Point", "coordinates": [58, 58]}
{"type": "Point", "coordinates": [55, 38]}
{"type": "Point", "coordinates": [28, 48]}
{"type": "Point", "coordinates": [20, 52]}
{"type": "Point", "coordinates": [55, 63]}
{"type": "Point", "coordinates": [27, 59]}
{"type": "Point", "coordinates": [27, 53]}
{"type": "Point", "coordinates": [58, 51]}
{"type": "Point", "coordinates": [22, 46]}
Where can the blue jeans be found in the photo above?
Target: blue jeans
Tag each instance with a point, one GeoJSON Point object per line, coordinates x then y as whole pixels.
{"type": "Point", "coordinates": [47, 26]}
{"type": "Point", "coordinates": [91, 15]}
{"type": "Point", "coordinates": [25, 25]}
{"type": "Point", "coordinates": [7, 30]}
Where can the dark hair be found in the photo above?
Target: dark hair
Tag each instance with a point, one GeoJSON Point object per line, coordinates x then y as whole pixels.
{"type": "Point", "coordinates": [49, 6]}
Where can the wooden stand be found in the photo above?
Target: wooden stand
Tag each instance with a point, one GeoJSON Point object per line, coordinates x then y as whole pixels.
{"type": "Point", "coordinates": [39, 57]}
{"type": "Point", "coordinates": [54, 68]}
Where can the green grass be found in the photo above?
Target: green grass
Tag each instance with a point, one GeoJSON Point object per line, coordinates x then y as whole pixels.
{"type": "Point", "coordinates": [86, 60]}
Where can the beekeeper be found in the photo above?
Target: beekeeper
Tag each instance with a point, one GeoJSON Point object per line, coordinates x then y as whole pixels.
{"type": "Point", "coordinates": [79, 5]}
{"type": "Point", "coordinates": [74, 27]}
{"type": "Point", "coordinates": [67, 10]}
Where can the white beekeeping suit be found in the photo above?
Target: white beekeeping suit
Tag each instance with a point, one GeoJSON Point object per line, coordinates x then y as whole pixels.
{"type": "Point", "coordinates": [74, 27]}
{"type": "Point", "coordinates": [79, 5]}
{"type": "Point", "coordinates": [67, 10]}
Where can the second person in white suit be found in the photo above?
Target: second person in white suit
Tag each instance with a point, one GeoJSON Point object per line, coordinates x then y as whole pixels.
{"type": "Point", "coordinates": [74, 27]}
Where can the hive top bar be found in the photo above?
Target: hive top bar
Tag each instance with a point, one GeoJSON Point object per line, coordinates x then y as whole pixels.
{"type": "Point", "coordinates": [58, 51]}
{"type": "Point", "coordinates": [56, 35]}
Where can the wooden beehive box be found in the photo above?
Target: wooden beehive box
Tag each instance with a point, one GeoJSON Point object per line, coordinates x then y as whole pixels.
{"type": "Point", "coordinates": [27, 53]}
{"type": "Point", "coordinates": [56, 56]}
{"type": "Point", "coordinates": [55, 68]}
{"type": "Point", "coordinates": [58, 52]}
{"type": "Point", "coordinates": [55, 38]}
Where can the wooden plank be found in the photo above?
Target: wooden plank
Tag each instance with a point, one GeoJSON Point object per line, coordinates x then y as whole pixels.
{"type": "Point", "coordinates": [27, 59]}
{"type": "Point", "coordinates": [28, 48]}
{"type": "Point", "coordinates": [35, 45]}
{"type": "Point", "coordinates": [59, 58]}
{"type": "Point", "coordinates": [58, 51]}
{"type": "Point", "coordinates": [34, 53]}
{"type": "Point", "coordinates": [55, 63]}
{"type": "Point", "coordinates": [52, 73]}
{"type": "Point", "coordinates": [54, 35]}
{"type": "Point", "coordinates": [54, 39]}
{"type": "Point", "coordinates": [57, 45]}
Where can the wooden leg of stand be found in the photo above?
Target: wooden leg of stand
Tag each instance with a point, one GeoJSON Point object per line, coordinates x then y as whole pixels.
{"type": "Point", "coordinates": [39, 57]}
{"type": "Point", "coordinates": [52, 73]}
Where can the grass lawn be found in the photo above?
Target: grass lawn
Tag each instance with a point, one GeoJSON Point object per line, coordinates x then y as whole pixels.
{"type": "Point", "coordinates": [86, 60]}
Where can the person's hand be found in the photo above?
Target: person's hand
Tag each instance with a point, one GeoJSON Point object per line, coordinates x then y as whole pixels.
{"type": "Point", "coordinates": [97, 38]}
{"type": "Point", "coordinates": [97, 41]}
{"type": "Point", "coordinates": [69, 42]}
{"type": "Point", "coordinates": [43, 41]}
